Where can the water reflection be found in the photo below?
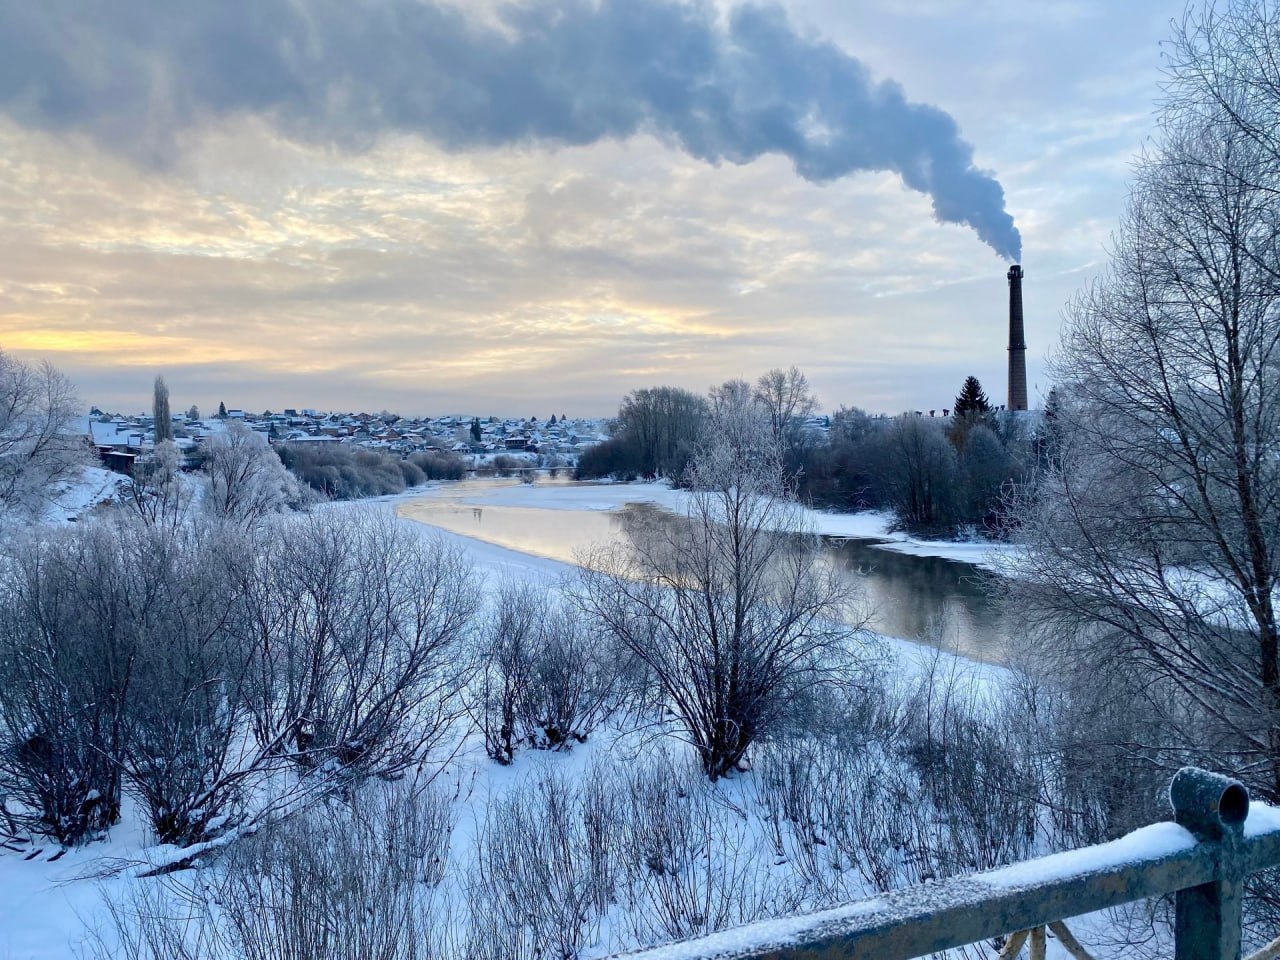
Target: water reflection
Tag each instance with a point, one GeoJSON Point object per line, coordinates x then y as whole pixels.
{"type": "Point", "coordinates": [928, 599]}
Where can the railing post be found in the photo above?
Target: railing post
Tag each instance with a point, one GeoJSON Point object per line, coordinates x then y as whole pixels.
{"type": "Point", "coordinates": [1208, 918]}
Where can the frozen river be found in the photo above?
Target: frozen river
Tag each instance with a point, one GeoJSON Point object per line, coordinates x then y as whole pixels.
{"type": "Point", "coordinates": [922, 598]}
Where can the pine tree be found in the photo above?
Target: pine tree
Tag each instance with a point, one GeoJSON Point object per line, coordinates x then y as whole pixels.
{"type": "Point", "coordinates": [222, 410]}
{"type": "Point", "coordinates": [475, 429]}
{"type": "Point", "coordinates": [971, 402]}
{"type": "Point", "coordinates": [553, 420]}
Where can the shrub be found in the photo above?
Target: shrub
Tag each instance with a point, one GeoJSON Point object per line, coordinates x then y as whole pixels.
{"type": "Point", "coordinates": [343, 472]}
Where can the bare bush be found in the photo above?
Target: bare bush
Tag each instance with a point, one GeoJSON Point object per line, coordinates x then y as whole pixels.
{"type": "Point", "coordinates": [576, 679]}
{"type": "Point", "coordinates": [733, 612]}
{"type": "Point", "coordinates": [188, 710]}
{"type": "Point", "coordinates": [942, 779]}
{"type": "Point", "coordinates": [543, 677]}
{"type": "Point", "coordinates": [970, 770]}
{"type": "Point", "coordinates": [345, 880]}
{"type": "Point", "coordinates": [359, 624]}
{"type": "Point", "coordinates": [119, 670]}
{"type": "Point", "coordinates": [69, 636]}
{"type": "Point", "coordinates": [694, 863]}
{"type": "Point", "coordinates": [341, 471]}
{"type": "Point", "coordinates": [506, 661]}
{"type": "Point", "coordinates": [545, 870]}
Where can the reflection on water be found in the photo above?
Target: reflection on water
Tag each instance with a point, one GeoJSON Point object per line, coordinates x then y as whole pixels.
{"type": "Point", "coordinates": [918, 598]}
{"type": "Point", "coordinates": [943, 602]}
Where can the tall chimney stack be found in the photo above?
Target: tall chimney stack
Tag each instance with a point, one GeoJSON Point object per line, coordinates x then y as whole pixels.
{"type": "Point", "coordinates": [1017, 343]}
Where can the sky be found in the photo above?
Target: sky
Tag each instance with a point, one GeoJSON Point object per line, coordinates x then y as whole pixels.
{"type": "Point", "coordinates": [431, 206]}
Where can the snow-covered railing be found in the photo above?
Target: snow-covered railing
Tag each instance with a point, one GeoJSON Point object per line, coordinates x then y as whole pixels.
{"type": "Point", "coordinates": [1203, 856]}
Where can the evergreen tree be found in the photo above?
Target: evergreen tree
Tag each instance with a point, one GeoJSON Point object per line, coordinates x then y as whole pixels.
{"type": "Point", "coordinates": [475, 429]}
{"type": "Point", "coordinates": [553, 420]}
{"type": "Point", "coordinates": [972, 401]}
{"type": "Point", "coordinates": [222, 410]}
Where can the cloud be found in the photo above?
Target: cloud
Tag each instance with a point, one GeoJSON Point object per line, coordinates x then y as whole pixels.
{"type": "Point", "coordinates": [140, 74]}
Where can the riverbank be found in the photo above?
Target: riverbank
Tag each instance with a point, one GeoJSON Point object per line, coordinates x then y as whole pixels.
{"type": "Point", "coordinates": [874, 525]}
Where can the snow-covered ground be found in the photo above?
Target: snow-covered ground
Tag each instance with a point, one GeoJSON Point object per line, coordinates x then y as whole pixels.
{"type": "Point", "coordinates": [73, 499]}
{"type": "Point", "coordinates": [46, 904]}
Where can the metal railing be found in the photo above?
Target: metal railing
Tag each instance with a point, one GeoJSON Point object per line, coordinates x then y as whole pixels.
{"type": "Point", "coordinates": [1203, 857]}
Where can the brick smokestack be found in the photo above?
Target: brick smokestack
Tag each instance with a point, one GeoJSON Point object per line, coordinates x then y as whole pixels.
{"type": "Point", "coordinates": [1017, 343]}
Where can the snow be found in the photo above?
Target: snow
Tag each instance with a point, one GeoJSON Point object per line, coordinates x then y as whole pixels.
{"type": "Point", "coordinates": [1147, 843]}
{"type": "Point", "coordinates": [785, 930]}
{"type": "Point", "coordinates": [44, 905]}
{"type": "Point", "coordinates": [72, 499]}
{"type": "Point", "coordinates": [1262, 819]}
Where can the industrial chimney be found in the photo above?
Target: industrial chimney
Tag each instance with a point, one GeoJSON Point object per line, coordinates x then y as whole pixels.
{"type": "Point", "coordinates": [1017, 343]}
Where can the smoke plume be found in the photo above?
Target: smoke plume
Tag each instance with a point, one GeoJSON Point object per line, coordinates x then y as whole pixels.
{"type": "Point", "coordinates": [135, 73]}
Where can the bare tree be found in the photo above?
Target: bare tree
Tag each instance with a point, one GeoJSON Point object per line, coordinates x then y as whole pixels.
{"type": "Point", "coordinates": [40, 443]}
{"type": "Point", "coordinates": [161, 418]}
{"type": "Point", "coordinates": [733, 612]}
{"type": "Point", "coordinates": [917, 472]}
{"type": "Point", "coordinates": [156, 491]}
{"type": "Point", "coordinates": [246, 480]}
{"type": "Point", "coordinates": [1157, 541]}
{"type": "Point", "coordinates": [787, 400]}
{"type": "Point", "coordinates": [659, 427]}
{"type": "Point", "coordinates": [187, 714]}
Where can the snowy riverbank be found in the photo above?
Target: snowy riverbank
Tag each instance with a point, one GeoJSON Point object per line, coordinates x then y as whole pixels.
{"type": "Point", "coordinates": [868, 525]}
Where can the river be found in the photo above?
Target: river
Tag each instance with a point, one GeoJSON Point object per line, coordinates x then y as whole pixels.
{"type": "Point", "coordinates": [924, 599]}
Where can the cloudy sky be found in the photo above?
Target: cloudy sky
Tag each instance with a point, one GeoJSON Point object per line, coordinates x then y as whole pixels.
{"type": "Point", "coordinates": [438, 205]}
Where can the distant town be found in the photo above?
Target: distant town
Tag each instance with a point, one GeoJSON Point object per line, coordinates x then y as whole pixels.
{"type": "Point", "coordinates": [556, 441]}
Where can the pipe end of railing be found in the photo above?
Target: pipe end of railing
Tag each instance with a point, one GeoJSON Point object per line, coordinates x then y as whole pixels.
{"type": "Point", "coordinates": [1211, 806]}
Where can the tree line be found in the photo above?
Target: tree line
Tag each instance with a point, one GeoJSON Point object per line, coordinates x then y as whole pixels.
{"type": "Point", "coordinates": [939, 476]}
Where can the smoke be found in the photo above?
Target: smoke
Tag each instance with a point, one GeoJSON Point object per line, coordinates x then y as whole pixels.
{"type": "Point", "coordinates": [135, 73]}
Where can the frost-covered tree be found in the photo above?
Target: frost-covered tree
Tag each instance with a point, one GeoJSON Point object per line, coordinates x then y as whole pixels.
{"type": "Point", "coordinates": [1156, 533]}
{"type": "Point", "coordinates": [733, 613]}
{"type": "Point", "coordinates": [156, 490]}
{"type": "Point", "coordinates": [245, 479]}
{"type": "Point", "coordinates": [40, 442]}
